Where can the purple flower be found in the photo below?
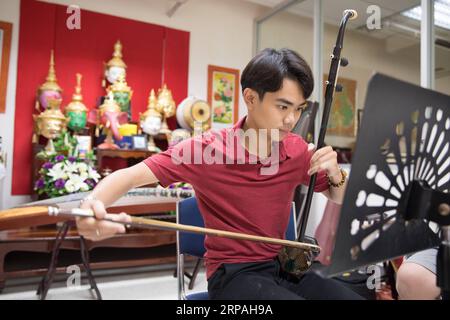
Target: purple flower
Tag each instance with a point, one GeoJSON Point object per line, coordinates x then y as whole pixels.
{"type": "Point", "coordinates": [39, 184]}
{"type": "Point", "coordinates": [90, 182]}
{"type": "Point", "coordinates": [47, 165]}
{"type": "Point", "coordinates": [59, 158]}
{"type": "Point", "coordinates": [60, 183]}
{"type": "Point", "coordinates": [72, 159]}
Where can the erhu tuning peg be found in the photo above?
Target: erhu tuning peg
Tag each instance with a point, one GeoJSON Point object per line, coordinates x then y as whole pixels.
{"type": "Point", "coordinates": [344, 62]}
{"type": "Point", "coordinates": [338, 88]}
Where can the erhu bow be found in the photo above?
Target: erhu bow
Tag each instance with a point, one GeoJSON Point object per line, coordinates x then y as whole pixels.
{"type": "Point", "coordinates": [297, 261]}
{"type": "Point", "coordinates": [138, 222]}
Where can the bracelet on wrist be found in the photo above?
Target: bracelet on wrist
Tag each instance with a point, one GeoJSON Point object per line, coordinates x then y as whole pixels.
{"type": "Point", "coordinates": [340, 183]}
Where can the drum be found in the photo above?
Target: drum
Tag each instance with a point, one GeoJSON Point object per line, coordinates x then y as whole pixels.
{"type": "Point", "coordinates": [192, 110]}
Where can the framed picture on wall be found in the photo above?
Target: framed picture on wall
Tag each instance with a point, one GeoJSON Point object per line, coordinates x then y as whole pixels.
{"type": "Point", "coordinates": [139, 142]}
{"type": "Point", "coordinates": [343, 114]}
{"type": "Point", "coordinates": [223, 95]}
{"type": "Point", "coordinates": [5, 47]}
{"type": "Point", "coordinates": [84, 145]}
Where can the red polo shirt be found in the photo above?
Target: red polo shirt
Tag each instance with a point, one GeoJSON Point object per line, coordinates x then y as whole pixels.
{"type": "Point", "coordinates": [238, 193]}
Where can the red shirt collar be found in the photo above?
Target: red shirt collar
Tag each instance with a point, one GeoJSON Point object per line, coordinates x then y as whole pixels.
{"type": "Point", "coordinates": [284, 148]}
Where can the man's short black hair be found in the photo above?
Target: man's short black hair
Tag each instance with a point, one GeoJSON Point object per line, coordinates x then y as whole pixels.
{"type": "Point", "coordinates": [267, 70]}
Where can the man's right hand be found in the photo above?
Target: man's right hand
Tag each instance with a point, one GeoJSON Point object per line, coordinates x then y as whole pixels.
{"type": "Point", "coordinates": [94, 228]}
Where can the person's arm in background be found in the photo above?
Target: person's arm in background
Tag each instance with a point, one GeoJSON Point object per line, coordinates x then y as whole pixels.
{"type": "Point", "coordinates": [106, 193]}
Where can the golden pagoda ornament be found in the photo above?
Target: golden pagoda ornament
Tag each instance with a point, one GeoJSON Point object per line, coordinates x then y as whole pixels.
{"type": "Point", "coordinates": [151, 121]}
{"type": "Point", "coordinates": [76, 110]}
{"type": "Point", "coordinates": [115, 66]}
{"type": "Point", "coordinates": [166, 106]}
{"type": "Point", "coordinates": [50, 123]}
{"type": "Point", "coordinates": [50, 88]}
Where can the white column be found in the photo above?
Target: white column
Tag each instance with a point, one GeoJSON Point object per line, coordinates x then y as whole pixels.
{"type": "Point", "coordinates": [427, 45]}
{"type": "Point", "coordinates": [318, 202]}
{"type": "Point", "coordinates": [318, 63]}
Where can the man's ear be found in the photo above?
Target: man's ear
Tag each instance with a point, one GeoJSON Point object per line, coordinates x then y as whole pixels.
{"type": "Point", "coordinates": [250, 97]}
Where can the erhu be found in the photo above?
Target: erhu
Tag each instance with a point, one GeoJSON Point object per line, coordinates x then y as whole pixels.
{"type": "Point", "coordinates": [296, 261]}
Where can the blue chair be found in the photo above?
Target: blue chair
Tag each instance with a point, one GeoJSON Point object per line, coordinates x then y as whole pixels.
{"type": "Point", "coordinates": [193, 244]}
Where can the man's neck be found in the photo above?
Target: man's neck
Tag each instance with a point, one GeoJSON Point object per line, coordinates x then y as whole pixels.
{"type": "Point", "coordinates": [256, 149]}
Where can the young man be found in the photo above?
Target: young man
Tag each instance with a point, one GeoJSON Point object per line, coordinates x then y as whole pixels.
{"type": "Point", "coordinates": [244, 182]}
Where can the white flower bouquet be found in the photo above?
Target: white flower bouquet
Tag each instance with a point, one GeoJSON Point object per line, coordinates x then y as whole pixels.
{"type": "Point", "coordinates": [62, 175]}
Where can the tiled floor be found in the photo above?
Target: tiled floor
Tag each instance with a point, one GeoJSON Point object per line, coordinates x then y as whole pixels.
{"type": "Point", "coordinates": [130, 284]}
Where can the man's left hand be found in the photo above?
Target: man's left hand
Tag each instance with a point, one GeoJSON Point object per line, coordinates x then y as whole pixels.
{"type": "Point", "coordinates": [324, 159]}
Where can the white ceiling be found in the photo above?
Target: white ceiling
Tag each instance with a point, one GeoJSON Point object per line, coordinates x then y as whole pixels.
{"type": "Point", "coordinates": [333, 9]}
{"type": "Point", "coordinates": [390, 11]}
{"type": "Point", "coordinates": [401, 34]}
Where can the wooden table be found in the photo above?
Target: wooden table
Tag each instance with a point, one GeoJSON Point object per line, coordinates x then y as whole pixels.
{"type": "Point", "coordinates": [121, 153]}
{"type": "Point", "coordinates": [34, 234]}
{"type": "Point", "coordinates": [131, 205]}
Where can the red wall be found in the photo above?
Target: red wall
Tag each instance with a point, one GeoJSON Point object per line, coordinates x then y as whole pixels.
{"type": "Point", "coordinates": [147, 49]}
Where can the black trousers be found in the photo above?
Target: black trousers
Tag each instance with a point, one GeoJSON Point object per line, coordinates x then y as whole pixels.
{"type": "Point", "coordinates": [265, 281]}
